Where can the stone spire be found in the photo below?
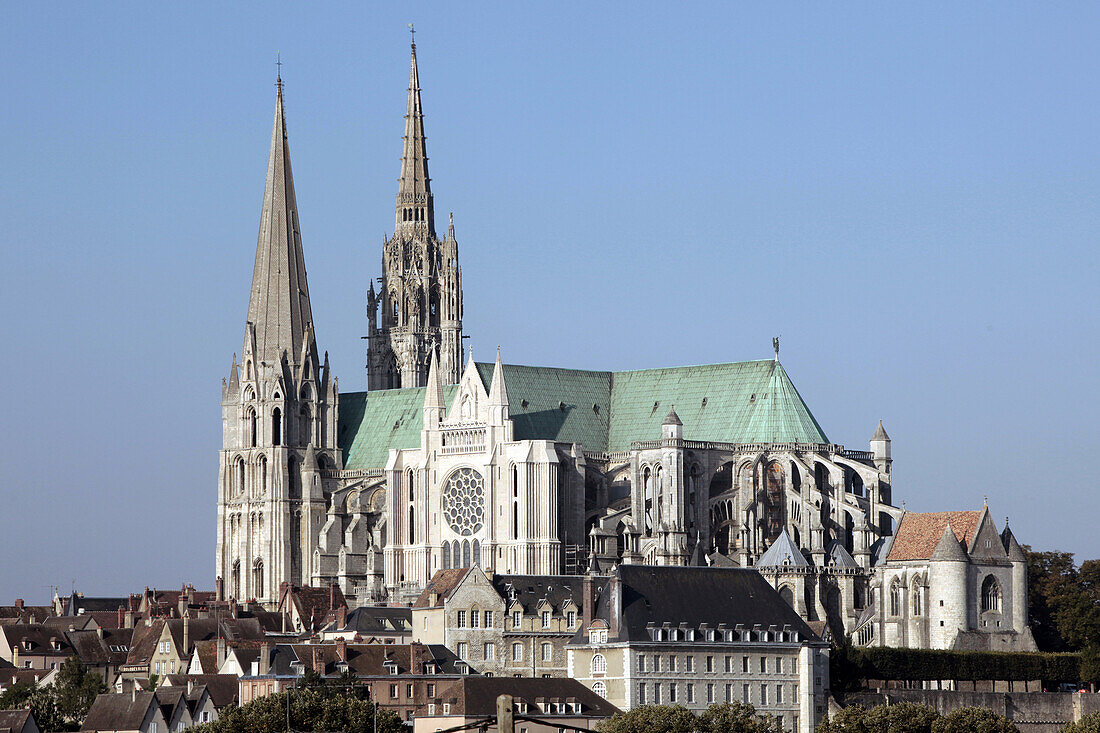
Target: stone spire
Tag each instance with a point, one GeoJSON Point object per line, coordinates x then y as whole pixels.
{"type": "Point", "coordinates": [433, 395]}
{"type": "Point", "coordinates": [498, 391]}
{"type": "Point", "coordinates": [278, 307]}
{"type": "Point", "coordinates": [415, 212]}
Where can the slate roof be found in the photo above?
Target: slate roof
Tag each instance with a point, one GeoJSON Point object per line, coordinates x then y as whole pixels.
{"type": "Point", "coordinates": [112, 648]}
{"type": "Point", "coordinates": [477, 696]}
{"type": "Point", "coordinates": [920, 533]}
{"type": "Point", "coordinates": [783, 553]}
{"type": "Point", "coordinates": [39, 636]}
{"type": "Point", "coordinates": [362, 659]}
{"type": "Point", "coordinates": [222, 687]}
{"type": "Point", "coordinates": [118, 712]}
{"type": "Point", "coordinates": [14, 720]}
{"type": "Point", "coordinates": [367, 620]}
{"type": "Point", "coordinates": [697, 596]}
{"type": "Point", "coordinates": [739, 402]}
{"type": "Point", "coordinates": [529, 590]}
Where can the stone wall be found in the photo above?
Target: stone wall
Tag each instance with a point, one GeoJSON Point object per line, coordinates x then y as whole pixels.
{"type": "Point", "coordinates": [1032, 712]}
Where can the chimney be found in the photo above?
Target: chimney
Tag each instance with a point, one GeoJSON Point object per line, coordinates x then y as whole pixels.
{"type": "Point", "coordinates": [221, 653]}
{"type": "Point", "coordinates": [342, 617]}
{"type": "Point", "coordinates": [190, 687]}
{"type": "Point", "coordinates": [133, 694]}
{"type": "Point", "coordinates": [433, 599]}
{"type": "Point", "coordinates": [615, 589]}
{"type": "Point", "coordinates": [587, 602]}
{"type": "Point", "coordinates": [233, 608]}
{"type": "Point", "coordinates": [19, 603]}
{"type": "Point", "coordinates": [128, 622]}
{"type": "Point", "coordinates": [121, 617]}
{"type": "Point", "coordinates": [331, 597]}
{"type": "Point", "coordinates": [99, 631]}
{"type": "Point", "coordinates": [265, 659]}
{"type": "Point", "coordinates": [318, 660]}
{"type": "Point", "coordinates": [219, 589]}
{"type": "Point", "coordinates": [186, 636]}
{"type": "Point", "coordinates": [342, 649]}
{"type": "Point", "coordinates": [416, 663]}
{"type": "Point", "coordinates": [15, 656]}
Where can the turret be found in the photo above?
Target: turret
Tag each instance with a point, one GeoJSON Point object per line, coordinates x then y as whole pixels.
{"type": "Point", "coordinates": [880, 447]}
{"type": "Point", "coordinates": [948, 569]}
{"type": "Point", "coordinates": [672, 428]}
{"type": "Point", "coordinates": [1019, 578]}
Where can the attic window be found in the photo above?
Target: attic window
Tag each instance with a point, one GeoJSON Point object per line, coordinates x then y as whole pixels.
{"type": "Point", "coordinates": [561, 406]}
{"type": "Point", "coordinates": [596, 409]}
{"type": "Point", "coordinates": [752, 398]}
{"type": "Point", "coordinates": [704, 402]}
{"type": "Point", "coordinates": [523, 404]}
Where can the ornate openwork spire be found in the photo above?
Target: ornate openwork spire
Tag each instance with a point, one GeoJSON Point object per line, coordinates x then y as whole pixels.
{"type": "Point", "coordinates": [414, 193]}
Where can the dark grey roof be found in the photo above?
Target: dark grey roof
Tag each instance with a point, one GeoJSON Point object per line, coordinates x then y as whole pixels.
{"type": "Point", "coordinates": [373, 620]}
{"type": "Point", "coordinates": [672, 418]}
{"type": "Point", "coordinates": [783, 553]}
{"type": "Point", "coordinates": [880, 433]}
{"type": "Point", "coordinates": [222, 687]}
{"type": "Point", "coordinates": [530, 589]}
{"type": "Point", "coordinates": [119, 712]}
{"type": "Point", "coordinates": [697, 596]}
{"type": "Point", "coordinates": [837, 555]}
{"type": "Point", "coordinates": [14, 720]}
{"type": "Point", "coordinates": [477, 696]}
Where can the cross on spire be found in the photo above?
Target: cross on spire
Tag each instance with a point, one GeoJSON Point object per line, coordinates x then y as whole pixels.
{"type": "Point", "coordinates": [412, 33]}
{"type": "Point", "coordinates": [279, 73]}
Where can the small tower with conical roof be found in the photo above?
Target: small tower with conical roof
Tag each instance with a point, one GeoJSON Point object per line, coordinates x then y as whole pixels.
{"type": "Point", "coordinates": [418, 309]}
{"type": "Point", "coordinates": [880, 448]}
{"type": "Point", "coordinates": [279, 409]}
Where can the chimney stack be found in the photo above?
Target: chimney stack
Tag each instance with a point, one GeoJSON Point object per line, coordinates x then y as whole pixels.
{"type": "Point", "coordinates": [190, 687]}
{"type": "Point", "coordinates": [416, 664]}
{"type": "Point", "coordinates": [265, 658]}
{"type": "Point", "coordinates": [342, 617]}
{"type": "Point", "coordinates": [615, 601]}
{"type": "Point", "coordinates": [219, 589]}
{"type": "Point", "coordinates": [19, 603]}
{"type": "Point", "coordinates": [128, 621]}
{"type": "Point", "coordinates": [342, 649]}
{"type": "Point", "coordinates": [318, 660]}
{"type": "Point", "coordinates": [587, 602]}
{"type": "Point", "coordinates": [221, 653]}
{"type": "Point", "coordinates": [121, 618]}
{"type": "Point", "coordinates": [186, 636]}
{"type": "Point", "coordinates": [233, 608]}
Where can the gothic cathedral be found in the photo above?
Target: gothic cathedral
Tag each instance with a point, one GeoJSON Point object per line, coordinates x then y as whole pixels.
{"type": "Point", "coordinates": [447, 463]}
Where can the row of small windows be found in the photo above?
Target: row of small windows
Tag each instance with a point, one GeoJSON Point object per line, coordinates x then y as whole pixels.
{"type": "Point", "coordinates": [461, 555]}
{"type": "Point", "coordinates": [731, 635]}
{"type": "Point", "coordinates": [517, 652]}
{"type": "Point", "coordinates": [305, 422]}
{"type": "Point", "coordinates": [767, 694]}
{"type": "Point", "coordinates": [485, 619]}
{"type": "Point", "coordinates": [414, 213]}
{"type": "Point", "coordinates": [764, 665]}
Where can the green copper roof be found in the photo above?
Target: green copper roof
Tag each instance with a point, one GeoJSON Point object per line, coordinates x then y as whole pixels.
{"type": "Point", "coordinates": [742, 402]}
{"type": "Point", "coordinates": [568, 405]}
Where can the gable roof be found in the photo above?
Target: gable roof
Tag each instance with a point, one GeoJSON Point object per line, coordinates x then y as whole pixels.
{"type": "Point", "coordinates": [377, 620]}
{"type": "Point", "coordinates": [119, 712]}
{"type": "Point", "coordinates": [442, 583]}
{"type": "Point", "coordinates": [222, 687]}
{"type": "Point", "coordinates": [738, 402]}
{"type": "Point", "coordinates": [529, 590]}
{"type": "Point", "coordinates": [14, 720]}
{"type": "Point", "coordinates": [920, 533]}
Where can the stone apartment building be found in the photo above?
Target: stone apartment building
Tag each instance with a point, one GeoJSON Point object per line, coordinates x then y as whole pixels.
{"type": "Point", "coordinates": [698, 636]}
{"type": "Point", "coordinates": [503, 625]}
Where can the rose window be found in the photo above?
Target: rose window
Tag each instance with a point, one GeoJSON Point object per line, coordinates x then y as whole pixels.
{"type": "Point", "coordinates": [464, 501]}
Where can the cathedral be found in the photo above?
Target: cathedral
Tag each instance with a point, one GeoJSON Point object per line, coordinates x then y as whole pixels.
{"type": "Point", "coordinates": [447, 462]}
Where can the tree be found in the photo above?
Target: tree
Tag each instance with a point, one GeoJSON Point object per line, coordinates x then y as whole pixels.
{"type": "Point", "coordinates": [43, 705]}
{"type": "Point", "coordinates": [1088, 724]}
{"type": "Point", "coordinates": [16, 696]}
{"type": "Point", "coordinates": [321, 709]}
{"type": "Point", "coordinates": [973, 720]}
{"type": "Point", "coordinates": [652, 719]}
{"type": "Point", "coordinates": [75, 689]}
{"type": "Point", "coordinates": [736, 717]}
{"type": "Point", "coordinates": [1090, 665]}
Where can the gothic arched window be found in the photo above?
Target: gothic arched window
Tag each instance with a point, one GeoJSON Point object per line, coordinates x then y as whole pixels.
{"type": "Point", "coordinates": [647, 495]}
{"type": "Point", "coordinates": [258, 579]}
{"type": "Point", "coordinates": [476, 558]}
{"type": "Point", "coordinates": [276, 426]}
{"type": "Point", "coordinates": [465, 553]}
{"type": "Point", "coordinates": [895, 597]}
{"type": "Point", "coordinates": [915, 606]}
{"type": "Point", "coordinates": [261, 475]}
{"type": "Point", "coordinates": [251, 428]}
{"type": "Point", "coordinates": [238, 487]}
{"type": "Point", "coordinates": [991, 594]}
{"type": "Point", "coordinates": [235, 581]}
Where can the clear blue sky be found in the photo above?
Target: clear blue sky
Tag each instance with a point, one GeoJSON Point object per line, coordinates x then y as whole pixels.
{"type": "Point", "coordinates": [908, 193]}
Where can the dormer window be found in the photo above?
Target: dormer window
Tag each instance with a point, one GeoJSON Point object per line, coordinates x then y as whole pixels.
{"type": "Point", "coordinates": [27, 644]}
{"type": "Point", "coordinates": [391, 667]}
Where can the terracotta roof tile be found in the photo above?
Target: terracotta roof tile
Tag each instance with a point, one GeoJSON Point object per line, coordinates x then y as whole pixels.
{"type": "Point", "coordinates": [918, 534]}
{"type": "Point", "coordinates": [442, 583]}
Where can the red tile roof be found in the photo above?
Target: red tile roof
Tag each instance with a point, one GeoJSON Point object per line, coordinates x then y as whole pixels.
{"type": "Point", "coordinates": [442, 583]}
{"type": "Point", "coordinates": [918, 534]}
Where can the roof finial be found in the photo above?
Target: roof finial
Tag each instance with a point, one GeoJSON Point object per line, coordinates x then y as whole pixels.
{"type": "Point", "coordinates": [279, 73]}
{"type": "Point", "coordinates": [412, 34]}
{"type": "Point", "coordinates": [775, 345]}
{"type": "Point", "coordinates": [985, 501]}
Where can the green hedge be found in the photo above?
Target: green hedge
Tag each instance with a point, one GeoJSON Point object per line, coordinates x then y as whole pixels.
{"type": "Point", "coordinates": [883, 663]}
